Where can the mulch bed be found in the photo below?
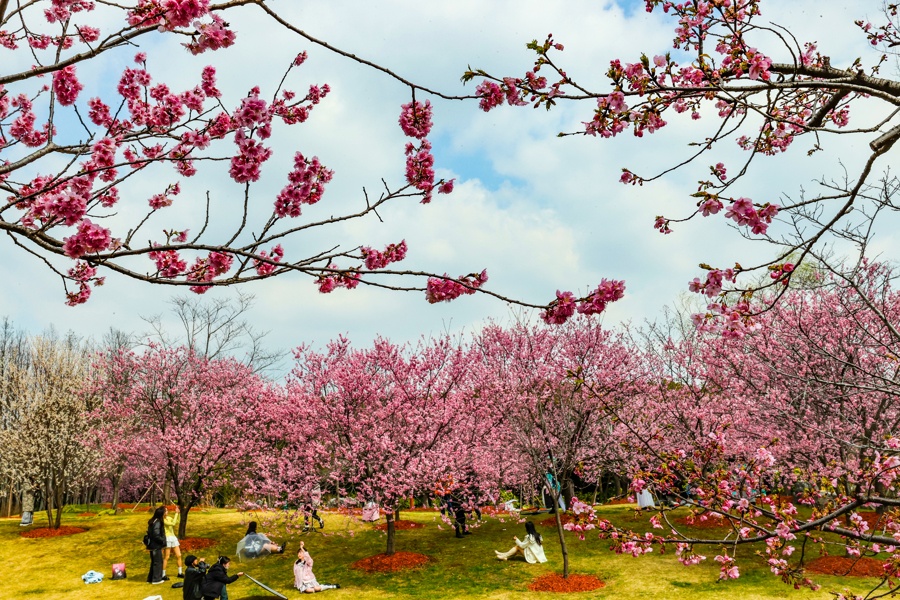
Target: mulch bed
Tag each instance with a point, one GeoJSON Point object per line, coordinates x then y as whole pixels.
{"type": "Point", "coordinates": [193, 543]}
{"type": "Point", "coordinates": [553, 582]}
{"type": "Point", "coordinates": [400, 525]}
{"type": "Point", "coordinates": [551, 521]}
{"type": "Point", "coordinates": [845, 565]}
{"type": "Point", "coordinates": [619, 501]}
{"type": "Point", "coordinates": [491, 510]}
{"type": "Point", "coordinates": [87, 514]}
{"type": "Point", "coordinates": [399, 561]}
{"type": "Point", "coordinates": [873, 519]}
{"type": "Point", "coordinates": [46, 532]}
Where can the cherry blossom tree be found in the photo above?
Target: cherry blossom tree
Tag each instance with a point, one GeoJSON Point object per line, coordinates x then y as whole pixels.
{"type": "Point", "coordinates": [764, 90]}
{"type": "Point", "coordinates": [195, 422]}
{"type": "Point", "coordinates": [557, 389]}
{"type": "Point", "coordinates": [785, 433]}
{"type": "Point", "coordinates": [386, 416]}
{"type": "Point", "coordinates": [94, 176]}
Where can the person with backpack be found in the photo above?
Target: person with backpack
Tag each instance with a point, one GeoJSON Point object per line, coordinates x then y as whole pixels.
{"type": "Point", "coordinates": [155, 541]}
{"type": "Point", "coordinates": [215, 584]}
{"type": "Point", "coordinates": [194, 574]}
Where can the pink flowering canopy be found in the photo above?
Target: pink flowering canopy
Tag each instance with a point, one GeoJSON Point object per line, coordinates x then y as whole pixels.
{"type": "Point", "coordinates": [766, 92]}
{"type": "Point", "coordinates": [72, 154]}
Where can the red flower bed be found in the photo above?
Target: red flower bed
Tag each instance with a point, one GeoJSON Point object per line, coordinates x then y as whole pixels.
{"type": "Point", "coordinates": [402, 524]}
{"type": "Point", "coordinates": [845, 565]}
{"type": "Point", "coordinates": [553, 582]}
{"type": "Point", "coordinates": [46, 532]}
{"type": "Point", "coordinates": [399, 561]}
{"type": "Point", "coordinates": [193, 543]}
{"type": "Point", "coordinates": [87, 514]}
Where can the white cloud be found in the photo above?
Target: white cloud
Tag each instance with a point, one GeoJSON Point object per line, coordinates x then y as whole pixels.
{"type": "Point", "coordinates": [539, 212]}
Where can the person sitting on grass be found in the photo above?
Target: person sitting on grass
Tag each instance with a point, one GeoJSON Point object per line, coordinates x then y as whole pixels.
{"type": "Point", "coordinates": [530, 547]}
{"type": "Point", "coordinates": [254, 544]}
{"type": "Point", "coordinates": [304, 580]}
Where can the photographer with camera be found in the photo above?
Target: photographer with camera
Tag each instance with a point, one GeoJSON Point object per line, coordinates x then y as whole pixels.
{"type": "Point", "coordinates": [194, 574]}
{"type": "Point", "coordinates": [215, 584]}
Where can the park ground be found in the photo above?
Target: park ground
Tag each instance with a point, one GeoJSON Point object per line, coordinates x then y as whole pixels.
{"type": "Point", "coordinates": [51, 567]}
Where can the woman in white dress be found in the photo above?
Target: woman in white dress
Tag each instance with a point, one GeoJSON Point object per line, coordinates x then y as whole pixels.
{"type": "Point", "coordinates": [645, 499]}
{"type": "Point", "coordinates": [531, 547]}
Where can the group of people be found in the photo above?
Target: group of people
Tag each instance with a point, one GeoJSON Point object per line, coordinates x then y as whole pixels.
{"type": "Point", "coordinates": [204, 582]}
{"type": "Point", "coordinates": [163, 542]}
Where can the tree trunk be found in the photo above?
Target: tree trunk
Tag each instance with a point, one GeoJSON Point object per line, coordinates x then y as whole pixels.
{"type": "Point", "coordinates": [562, 537]}
{"type": "Point", "coordinates": [48, 494]}
{"type": "Point", "coordinates": [183, 511]}
{"type": "Point", "coordinates": [9, 503]}
{"type": "Point", "coordinates": [568, 489]}
{"type": "Point", "coordinates": [59, 501]}
{"type": "Point", "coordinates": [598, 489]}
{"type": "Point", "coordinates": [390, 533]}
{"type": "Point", "coordinates": [116, 481]}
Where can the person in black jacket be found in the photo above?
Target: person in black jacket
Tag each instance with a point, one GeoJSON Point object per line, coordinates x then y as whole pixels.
{"type": "Point", "coordinates": [195, 570]}
{"type": "Point", "coordinates": [157, 535]}
{"type": "Point", "coordinates": [214, 586]}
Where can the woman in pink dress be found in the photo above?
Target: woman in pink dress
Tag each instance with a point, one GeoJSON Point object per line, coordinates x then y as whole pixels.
{"type": "Point", "coordinates": [304, 580]}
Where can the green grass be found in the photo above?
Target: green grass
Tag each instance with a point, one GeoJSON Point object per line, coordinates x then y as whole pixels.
{"type": "Point", "coordinates": [461, 568]}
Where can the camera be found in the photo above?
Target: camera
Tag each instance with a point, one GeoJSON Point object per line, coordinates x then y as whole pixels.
{"type": "Point", "coordinates": [202, 566]}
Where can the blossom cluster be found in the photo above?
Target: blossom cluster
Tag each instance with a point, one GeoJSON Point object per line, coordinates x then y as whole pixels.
{"type": "Point", "coordinates": [327, 283]}
{"type": "Point", "coordinates": [560, 310]}
{"type": "Point", "coordinates": [584, 518]}
{"type": "Point", "coordinates": [416, 122]}
{"type": "Point", "coordinates": [306, 184]}
{"type": "Point", "coordinates": [446, 289]}
{"type": "Point", "coordinates": [205, 270]}
{"type": "Point", "coordinates": [262, 264]}
{"type": "Point", "coordinates": [379, 260]}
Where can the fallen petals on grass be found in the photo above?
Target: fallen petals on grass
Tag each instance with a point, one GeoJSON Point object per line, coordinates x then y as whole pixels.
{"type": "Point", "coordinates": [554, 582]}
{"type": "Point", "coordinates": [193, 543]}
{"type": "Point", "coordinates": [399, 561]}
{"type": "Point", "coordinates": [845, 565]}
{"type": "Point", "coordinates": [46, 532]}
{"type": "Point", "coordinates": [398, 525]}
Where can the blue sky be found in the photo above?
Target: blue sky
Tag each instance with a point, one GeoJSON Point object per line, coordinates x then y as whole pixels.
{"type": "Point", "coordinates": [539, 212]}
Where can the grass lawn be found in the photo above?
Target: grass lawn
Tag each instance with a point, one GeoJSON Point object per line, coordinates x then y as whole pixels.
{"type": "Point", "coordinates": [460, 568]}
